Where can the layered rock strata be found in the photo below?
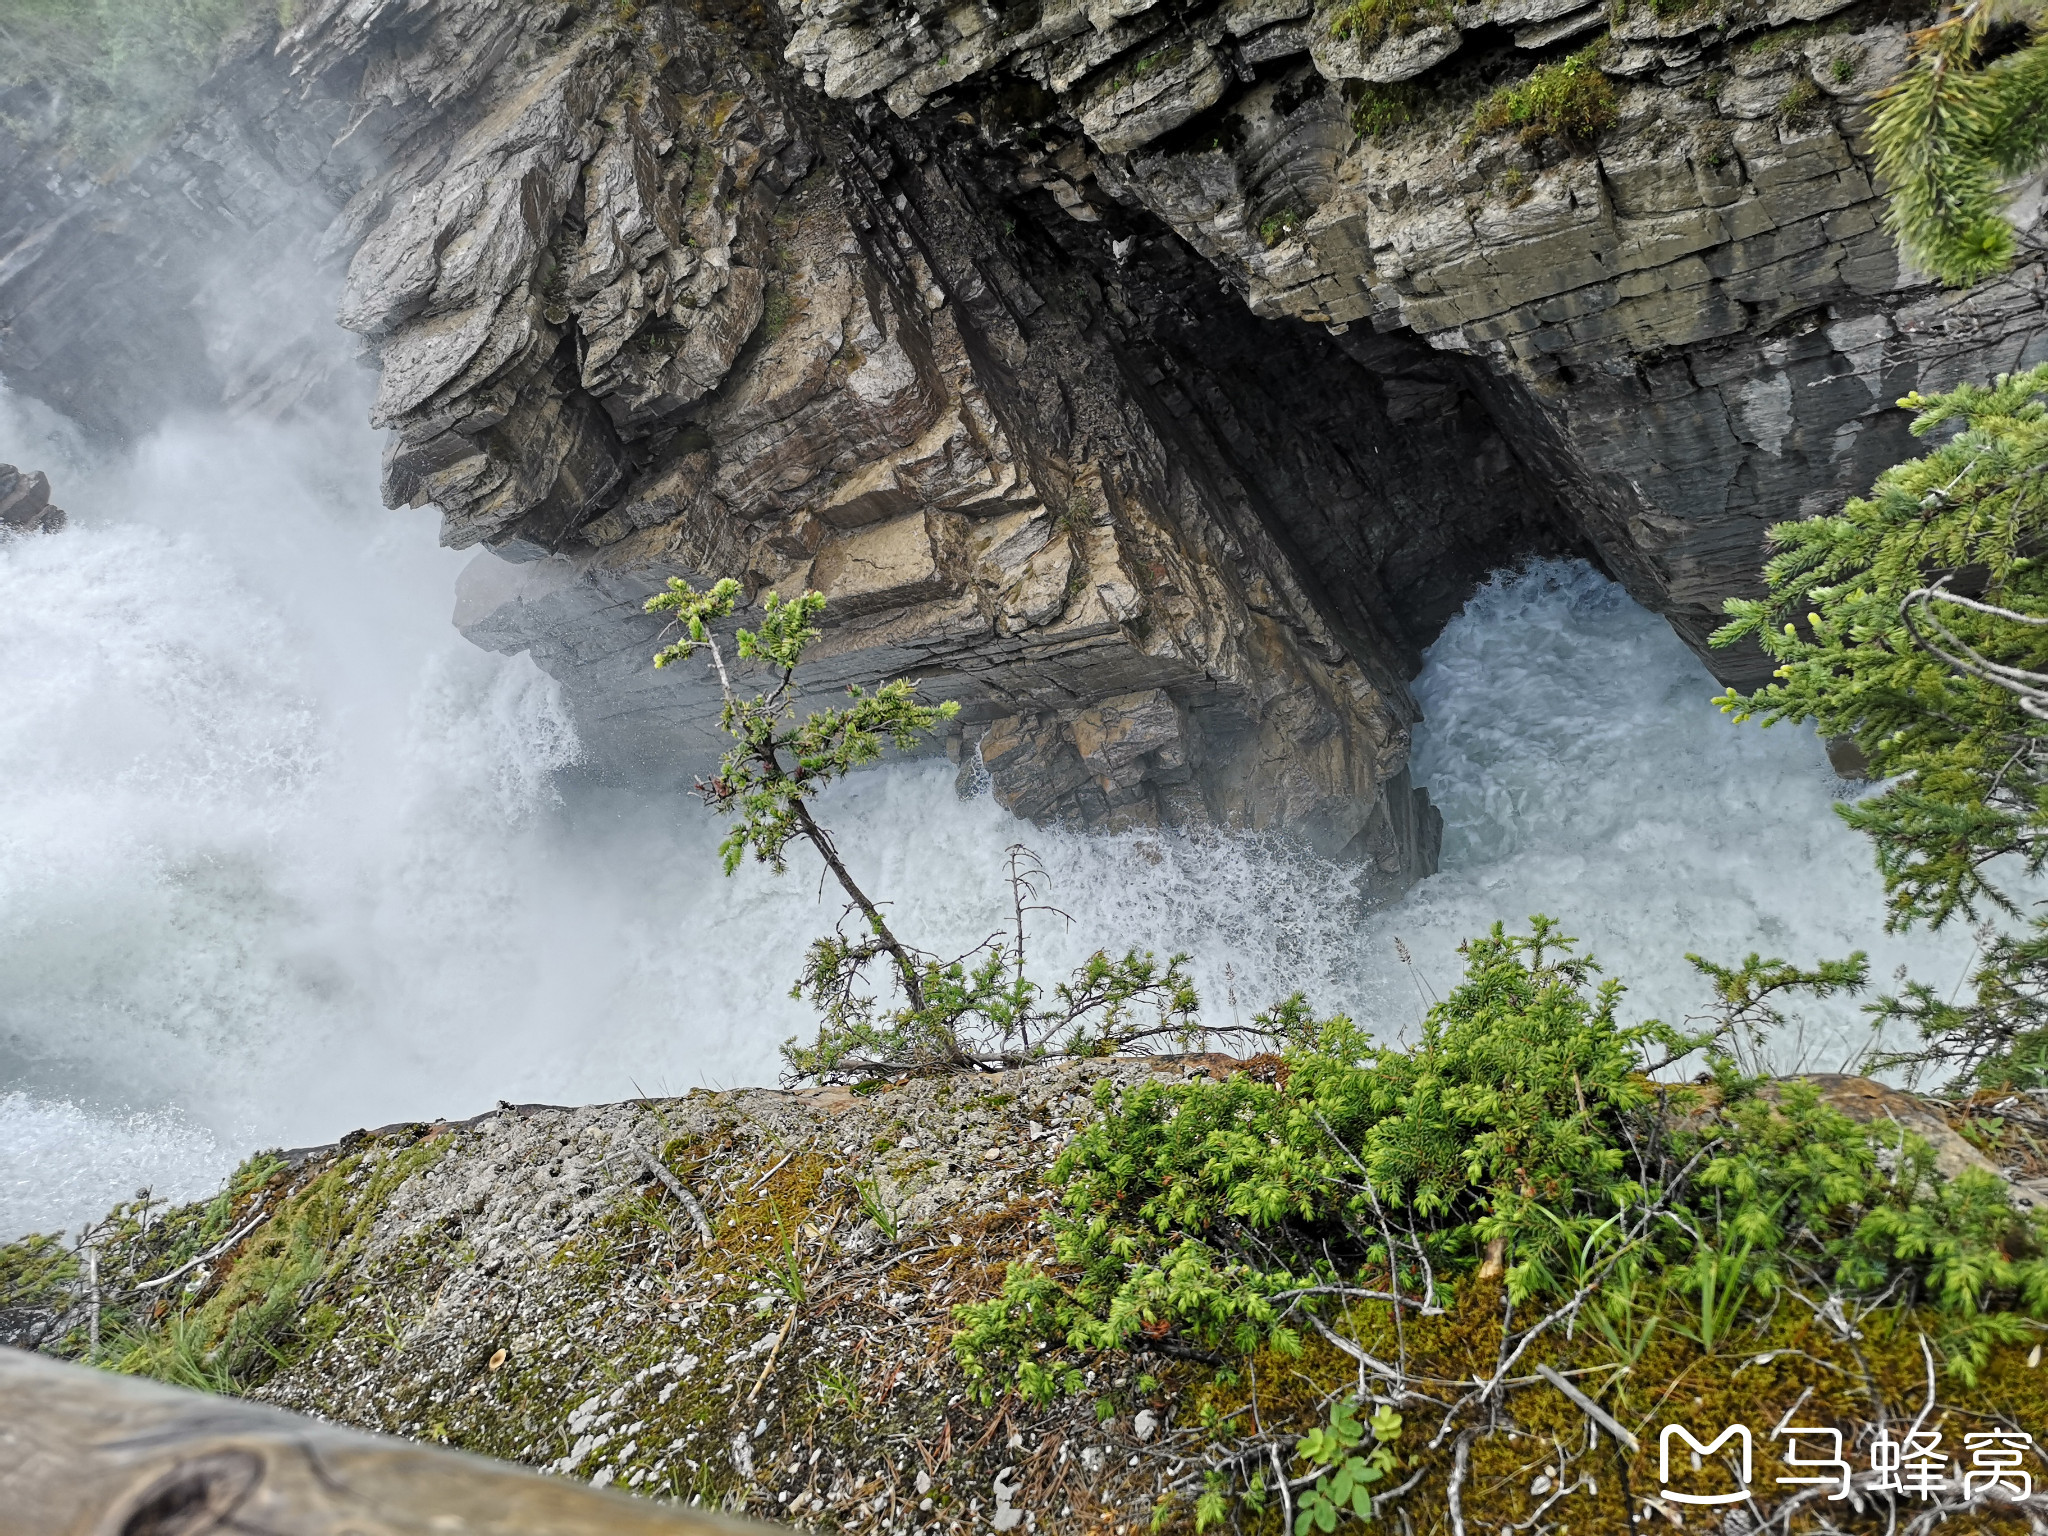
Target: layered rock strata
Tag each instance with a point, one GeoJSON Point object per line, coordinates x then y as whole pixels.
{"type": "Point", "coordinates": [640, 311]}
{"type": "Point", "coordinates": [1695, 324]}
{"type": "Point", "coordinates": [1089, 357]}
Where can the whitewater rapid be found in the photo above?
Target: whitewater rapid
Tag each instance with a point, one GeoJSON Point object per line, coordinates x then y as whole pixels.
{"type": "Point", "coordinates": [281, 854]}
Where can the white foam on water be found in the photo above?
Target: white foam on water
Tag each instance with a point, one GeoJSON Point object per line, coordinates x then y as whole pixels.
{"type": "Point", "coordinates": [61, 1164]}
{"type": "Point", "coordinates": [1584, 773]}
{"type": "Point", "coordinates": [281, 854]}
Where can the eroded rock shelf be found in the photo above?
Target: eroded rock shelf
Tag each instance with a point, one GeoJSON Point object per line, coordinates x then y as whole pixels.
{"type": "Point", "coordinates": [1092, 359]}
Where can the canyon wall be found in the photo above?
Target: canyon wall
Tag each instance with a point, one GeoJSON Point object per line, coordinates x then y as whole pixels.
{"type": "Point", "coordinates": [1091, 358]}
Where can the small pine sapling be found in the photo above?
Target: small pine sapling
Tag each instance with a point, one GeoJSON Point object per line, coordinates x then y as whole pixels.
{"type": "Point", "coordinates": [1965, 120]}
{"type": "Point", "coordinates": [763, 793]}
{"type": "Point", "coordinates": [980, 1011]}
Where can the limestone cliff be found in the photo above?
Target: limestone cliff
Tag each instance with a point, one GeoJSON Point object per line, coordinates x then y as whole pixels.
{"type": "Point", "coordinates": [1696, 325]}
{"type": "Point", "coordinates": [1088, 357]}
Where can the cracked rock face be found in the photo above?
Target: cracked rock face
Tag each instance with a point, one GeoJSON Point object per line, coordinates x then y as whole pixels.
{"type": "Point", "coordinates": [640, 311]}
{"type": "Point", "coordinates": [1087, 356]}
{"type": "Point", "coordinates": [1696, 324]}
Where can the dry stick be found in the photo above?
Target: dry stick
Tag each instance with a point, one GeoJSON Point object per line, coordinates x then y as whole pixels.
{"type": "Point", "coordinates": [1286, 1498]}
{"type": "Point", "coordinates": [212, 1253]}
{"type": "Point", "coordinates": [1564, 1490]}
{"type": "Point", "coordinates": [764, 1178]}
{"type": "Point", "coordinates": [92, 1275]}
{"type": "Point", "coordinates": [1378, 1367]}
{"type": "Point", "coordinates": [1454, 1495]}
{"type": "Point", "coordinates": [1590, 1409]}
{"type": "Point", "coordinates": [773, 1349]}
{"type": "Point", "coordinates": [675, 1187]}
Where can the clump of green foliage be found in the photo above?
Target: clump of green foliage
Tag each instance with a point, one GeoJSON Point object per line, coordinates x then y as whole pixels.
{"type": "Point", "coordinates": [1349, 1469]}
{"type": "Point", "coordinates": [1569, 99]}
{"type": "Point", "coordinates": [37, 1275]}
{"type": "Point", "coordinates": [1276, 227]}
{"type": "Point", "coordinates": [123, 71]}
{"type": "Point", "coordinates": [1380, 109]}
{"type": "Point", "coordinates": [1371, 22]}
{"type": "Point", "coordinates": [1520, 1144]}
{"type": "Point", "coordinates": [1802, 100]}
{"type": "Point", "coordinates": [1915, 621]}
{"type": "Point", "coordinates": [1964, 119]}
{"type": "Point", "coordinates": [977, 1011]}
{"type": "Point", "coordinates": [235, 1324]}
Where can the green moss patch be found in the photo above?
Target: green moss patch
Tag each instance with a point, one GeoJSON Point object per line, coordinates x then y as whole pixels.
{"type": "Point", "coordinates": [1569, 100]}
{"type": "Point", "coordinates": [1370, 23]}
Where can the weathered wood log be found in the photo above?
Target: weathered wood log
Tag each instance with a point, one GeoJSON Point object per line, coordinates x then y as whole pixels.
{"type": "Point", "coordinates": [89, 1453]}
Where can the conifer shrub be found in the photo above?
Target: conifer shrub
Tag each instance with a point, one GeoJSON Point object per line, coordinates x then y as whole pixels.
{"type": "Point", "coordinates": [978, 1011]}
{"type": "Point", "coordinates": [1569, 100]}
{"type": "Point", "coordinates": [1915, 622]}
{"type": "Point", "coordinates": [1517, 1168]}
{"type": "Point", "coordinates": [1966, 118]}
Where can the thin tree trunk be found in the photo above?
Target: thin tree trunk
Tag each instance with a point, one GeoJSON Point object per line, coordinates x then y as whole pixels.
{"type": "Point", "coordinates": [822, 841]}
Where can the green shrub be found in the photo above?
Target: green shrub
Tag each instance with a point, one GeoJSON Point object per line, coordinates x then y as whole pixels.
{"type": "Point", "coordinates": [1520, 1138]}
{"type": "Point", "coordinates": [1802, 100]}
{"type": "Point", "coordinates": [1569, 99]}
{"type": "Point", "coordinates": [1380, 109]}
{"type": "Point", "coordinates": [1369, 23]}
{"type": "Point", "coordinates": [1961, 755]}
{"type": "Point", "coordinates": [1915, 622]}
{"type": "Point", "coordinates": [1276, 227]}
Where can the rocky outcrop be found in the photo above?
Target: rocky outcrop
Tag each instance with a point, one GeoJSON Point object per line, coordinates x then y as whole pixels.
{"type": "Point", "coordinates": [527, 1285]}
{"type": "Point", "coordinates": [25, 502]}
{"type": "Point", "coordinates": [643, 308]}
{"type": "Point", "coordinates": [1091, 358]}
{"type": "Point", "coordinates": [1696, 325]}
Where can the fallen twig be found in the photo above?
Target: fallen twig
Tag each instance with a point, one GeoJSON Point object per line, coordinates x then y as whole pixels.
{"type": "Point", "coordinates": [773, 1350]}
{"type": "Point", "coordinates": [1454, 1492]}
{"type": "Point", "coordinates": [676, 1187]}
{"type": "Point", "coordinates": [1590, 1409]}
{"type": "Point", "coordinates": [212, 1253]}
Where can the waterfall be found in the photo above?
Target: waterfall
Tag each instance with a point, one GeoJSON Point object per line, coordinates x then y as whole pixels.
{"type": "Point", "coordinates": [281, 854]}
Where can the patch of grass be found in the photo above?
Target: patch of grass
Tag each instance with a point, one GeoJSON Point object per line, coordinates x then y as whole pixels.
{"type": "Point", "coordinates": [1802, 101]}
{"type": "Point", "coordinates": [1380, 109]}
{"type": "Point", "coordinates": [263, 1305]}
{"type": "Point", "coordinates": [1569, 100]}
{"type": "Point", "coordinates": [1370, 23]}
{"type": "Point", "coordinates": [1276, 227]}
{"type": "Point", "coordinates": [1844, 68]}
{"type": "Point", "coordinates": [875, 1208]}
{"type": "Point", "coordinates": [777, 308]}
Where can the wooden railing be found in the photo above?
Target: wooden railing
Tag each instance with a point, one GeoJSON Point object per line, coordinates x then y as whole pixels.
{"type": "Point", "coordinates": [89, 1453]}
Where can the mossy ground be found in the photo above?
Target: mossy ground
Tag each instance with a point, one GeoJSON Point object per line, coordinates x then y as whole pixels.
{"type": "Point", "coordinates": [524, 1288]}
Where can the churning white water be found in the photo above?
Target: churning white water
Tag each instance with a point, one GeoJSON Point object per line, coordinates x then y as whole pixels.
{"type": "Point", "coordinates": [281, 854]}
